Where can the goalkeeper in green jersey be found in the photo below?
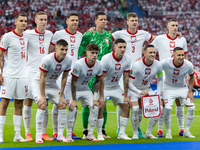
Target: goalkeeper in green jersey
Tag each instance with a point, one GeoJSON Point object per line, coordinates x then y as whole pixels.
{"type": "Point", "coordinates": [103, 39]}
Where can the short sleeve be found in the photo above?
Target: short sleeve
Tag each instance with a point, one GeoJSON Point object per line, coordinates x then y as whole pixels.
{"type": "Point", "coordinates": [54, 39]}
{"type": "Point", "coordinates": [132, 73]}
{"type": "Point", "coordinates": [76, 71]}
{"type": "Point", "coordinates": [100, 69]}
{"type": "Point", "coordinates": [154, 43]}
{"type": "Point", "coordinates": [104, 64]}
{"type": "Point", "coordinates": [115, 35]}
{"type": "Point", "coordinates": [148, 36]}
{"type": "Point", "coordinates": [128, 66]}
{"type": "Point", "coordinates": [191, 71]}
{"type": "Point", "coordinates": [185, 47]}
{"type": "Point", "coordinates": [69, 62]}
{"type": "Point", "coordinates": [4, 43]}
{"type": "Point", "coordinates": [45, 64]}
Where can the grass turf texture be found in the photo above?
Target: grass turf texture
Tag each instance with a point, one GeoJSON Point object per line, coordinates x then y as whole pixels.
{"type": "Point", "coordinates": [111, 128]}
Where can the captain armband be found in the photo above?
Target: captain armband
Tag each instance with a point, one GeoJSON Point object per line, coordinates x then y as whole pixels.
{"type": "Point", "coordinates": [159, 74]}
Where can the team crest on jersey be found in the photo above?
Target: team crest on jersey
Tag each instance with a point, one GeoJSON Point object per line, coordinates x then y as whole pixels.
{"type": "Point", "coordinates": [74, 71]}
{"type": "Point", "coordinates": [58, 67]}
{"type": "Point", "coordinates": [147, 71]}
{"type": "Point", "coordinates": [72, 39]}
{"type": "Point", "coordinates": [89, 72]}
{"type": "Point", "coordinates": [172, 44]}
{"type": "Point", "coordinates": [21, 40]}
{"type": "Point", "coordinates": [41, 37]}
{"type": "Point", "coordinates": [43, 65]}
{"type": "Point", "coordinates": [176, 72]}
{"type": "Point", "coordinates": [3, 91]}
{"type": "Point", "coordinates": [133, 38]}
{"type": "Point", "coordinates": [117, 66]}
{"type": "Point", "coordinates": [106, 40]}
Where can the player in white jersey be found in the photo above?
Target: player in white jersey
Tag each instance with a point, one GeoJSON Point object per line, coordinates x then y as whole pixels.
{"type": "Point", "coordinates": [14, 80]}
{"type": "Point", "coordinates": [175, 87]}
{"type": "Point", "coordinates": [38, 46]}
{"type": "Point", "coordinates": [142, 72]}
{"type": "Point", "coordinates": [165, 44]}
{"type": "Point", "coordinates": [114, 65]}
{"type": "Point", "coordinates": [73, 37]}
{"type": "Point", "coordinates": [44, 84]}
{"type": "Point", "coordinates": [83, 71]}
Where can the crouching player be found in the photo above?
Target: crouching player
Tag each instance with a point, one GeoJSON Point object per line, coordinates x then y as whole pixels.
{"type": "Point", "coordinates": [44, 84]}
{"type": "Point", "coordinates": [175, 87]}
{"type": "Point", "coordinates": [114, 65]}
{"type": "Point", "coordinates": [83, 71]}
{"type": "Point", "coordinates": [140, 76]}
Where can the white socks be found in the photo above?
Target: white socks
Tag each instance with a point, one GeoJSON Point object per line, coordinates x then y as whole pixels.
{"type": "Point", "coordinates": [61, 121]}
{"type": "Point", "coordinates": [119, 111]}
{"type": "Point", "coordinates": [123, 124]}
{"type": "Point", "coordinates": [167, 118]}
{"type": "Point", "coordinates": [2, 123]}
{"type": "Point", "coordinates": [140, 117]}
{"type": "Point", "coordinates": [70, 121]}
{"type": "Point", "coordinates": [17, 120]}
{"type": "Point", "coordinates": [92, 119]}
{"type": "Point", "coordinates": [180, 116]}
{"type": "Point", "coordinates": [99, 126]}
{"type": "Point", "coordinates": [27, 118]}
{"type": "Point", "coordinates": [39, 122]}
{"type": "Point", "coordinates": [45, 122]}
{"type": "Point", "coordinates": [189, 117]}
{"type": "Point", "coordinates": [161, 120]}
{"type": "Point", "coordinates": [55, 118]}
{"type": "Point", "coordinates": [134, 118]}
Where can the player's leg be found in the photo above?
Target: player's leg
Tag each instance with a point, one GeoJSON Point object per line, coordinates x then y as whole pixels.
{"type": "Point", "coordinates": [105, 113]}
{"type": "Point", "coordinates": [119, 111]}
{"type": "Point", "coordinates": [134, 117]}
{"type": "Point", "coordinates": [85, 116]}
{"type": "Point", "coordinates": [161, 121]}
{"type": "Point", "coordinates": [140, 115]}
{"type": "Point", "coordinates": [55, 122]}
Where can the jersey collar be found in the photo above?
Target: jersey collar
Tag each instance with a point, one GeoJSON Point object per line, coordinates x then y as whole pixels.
{"type": "Point", "coordinates": [69, 32]}
{"type": "Point", "coordinates": [177, 66]}
{"type": "Point", "coordinates": [132, 33]}
{"type": "Point", "coordinates": [113, 54]}
{"type": "Point", "coordinates": [145, 62]}
{"type": "Point", "coordinates": [57, 59]}
{"type": "Point", "coordinates": [170, 37]}
{"type": "Point", "coordinates": [87, 63]}
{"type": "Point", "coordinates": [17, 34]}
{"type": "Point", "coordinates": [38, 32]}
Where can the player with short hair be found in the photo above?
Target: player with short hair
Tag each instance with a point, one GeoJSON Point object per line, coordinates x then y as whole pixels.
{"type": "Point", "coordinates": [73, 37]}
{"type": "Point", "coordinates": [175, 87]}
{"type": "Point", "coordinates": [38, 45]}
{"type": "Point", "coordinates": [114, 65]}
{"type": "Point", "coordinates": [165, 44]}
{"type": "Point", "coordinates": [103, 39]}
{"type": "Point", "coordinates": [83, 71]}
{"type": "Point", "coordinates": [44, 84]}
{"type": "Point", "coordinates": [142, 72]}
{"type": "Point", "coordinates": [14, 79]}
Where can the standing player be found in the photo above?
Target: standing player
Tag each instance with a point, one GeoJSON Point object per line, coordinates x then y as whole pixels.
{"type": "Point", "coordinates": [196, 86]}
{"type": "Point", "coordinates": [165, 44]}
{"type": "Point", "coordinates": [142, 72]}
{"type": "Point", "coordinates": [103, 39]}
{"type": "Point", "coordinates": [14, 80]}
{"type": "Point", "coordinates": [38, 45]}
{"type": "Point", "coordinates": [83, 71]}
{"type": "Point", "coordinates": [73, 37]}
{"type": "Point", "coordinates": [175, 87]}
{"type": "Point", "coordinates": [44, 84]}
{"type": "Point", "coordinates": [114, 65]}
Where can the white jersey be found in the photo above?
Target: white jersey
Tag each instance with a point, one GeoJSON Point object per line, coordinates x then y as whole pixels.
{"type": "Point", "coordinates": [84, 73]}
{"type": "Point", "coordinates": [134, 42]}
{"type": "Point", "coordinates": [73, 41]}
{"type": "Point", "coordinates": [15, 47]}
{"type": "Point", "coordinates": [143, 74]}
{"type": "Point", "coordinates": [114, 68]}
{"type": "Point", "coordinates": [38, 46]}
{"type": "Point", "coordinates": [175, 76]}
{"type": "Point", "coordinates": [164, 44]}
{"type": "Point", "coordinates": [53, 67]}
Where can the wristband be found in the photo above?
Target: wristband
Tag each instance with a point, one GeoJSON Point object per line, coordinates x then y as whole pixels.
{"type": "Point", "coordinates": [95, 96]}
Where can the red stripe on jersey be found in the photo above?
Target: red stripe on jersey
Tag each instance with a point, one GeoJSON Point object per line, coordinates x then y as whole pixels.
{"type": "Point", "coordinates": [104, 71]}
{"type": "Point", "coordinates": [69, 32]}
{"type": "Point", "coordinates": [38, 32]}
{"type": "Point", "coordinates": [150, 38]}
{"type": "Point", "coordinates": [143, 60]}
{"type": "Point", "coordinates": [43, 70]}
{"type": "Point", "coordinates": [113, 38]}
{"type": "Point", "coordinates": [98, 76]}
{"type": "Point", "coordinates": [52, 44]}
{"type": "Point", "coordinates": [113, 54]}
{"type": "Point", "coordinates": [87, 63]}
{"type": "Point", "coordinates": [131, 77]}
{"type": "Point", "coordinates": [185, 52]}
{"type": "Point", "coordinates": [177, 66]}
{"type": "Point", "coordinates": [74, 75]}
{"type": "Point", "coordinates": [127, 70]}
{"type": "Point", "coordinates": [132, 33]}
{"type": "Point", "coordinates": [17, 34]}
{"type": "Point", "coordinates": [67, 70]}
{"type": "Point", "coordinates": [170, 37]}
{"type": "Point", "coordinates": [57, 59]}
{"type": "Point", "coordinates": [2, 49]}
{"type": "Point", "coordinates": [191, 74]}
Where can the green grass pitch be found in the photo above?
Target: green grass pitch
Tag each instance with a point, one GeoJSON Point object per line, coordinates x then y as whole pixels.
{"type": "Point", "coordinates": [111, 128]}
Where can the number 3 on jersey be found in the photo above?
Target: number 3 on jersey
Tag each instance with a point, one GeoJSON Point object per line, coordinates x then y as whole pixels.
{"type": "Point", "coordinates": [42, 51]}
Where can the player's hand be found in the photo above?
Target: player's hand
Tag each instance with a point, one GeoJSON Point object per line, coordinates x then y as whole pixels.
{"type": "Point", "coordinates": [62, 102]}
{"type": "Point", "coordinates": [92, 29]}
{"type": "Point", "coordinates": [139, 59]}
{"type": "Point", "coordinates": [190, 96]}
{"type": "Point", "coordinates": [145, 93]}
{"type": "Point", "coordinates": [127, 101]}
{"type": "Point", "coordinates": [1, 79]}
{"type": "Point", "coordinates": [73, 105]}
{"type": "Point", "coordinates": [42, 103]}
{"type": "Point", "coordinates": [179, 34]}
{"type": "Point", "coordinates": [95, 103]}
{"type": "Point", "coordinates": [101, 101]}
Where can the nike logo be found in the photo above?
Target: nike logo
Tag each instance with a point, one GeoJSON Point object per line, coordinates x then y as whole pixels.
{"type": "Point", "coordinates": [93, 40]}
{"type": "Point", "coordinates": [181, 115]}
{"type": "Point", "coordinates": [39, 122]}
{"type": "Point", "coordinates": [156, 120]}
{"type": "Point", "coordinates": [62, 123]}
{"type": "Point", "coordinates": [190, 119]}
{"type": "Point", "coordinates": [27, 118]}
{"type": "Point", "coordinates": [166, 119]}
{"type": "Point", "coordinates": [70, 121]}
{"type": "Point", "coordinates": [55, 114]}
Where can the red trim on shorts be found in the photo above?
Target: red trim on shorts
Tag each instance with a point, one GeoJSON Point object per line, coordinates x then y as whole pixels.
{"type": "Point", "coordinates": [69, 32]}
{"type": "Point", "coordinates": [57, 59]}
{"type": "Point", "coordinates": [87, 63]}
{"type": "Point", "coordinates": [132, 33]}
{"type": "Point", "coordinates": [131, 77]}
{"type": "Point", "coordinates": [2, 49]}
{"type": "Point", "coordinates": [145, 62]}
{"type": "Point", "coordinates": [67, 70]}
{"type": "Point", "coordinates": [177, 66]}
{"type": "Point", "coordinates": [52, 44]}
{"type": "Point", "coordinates": [98, 76]}
{"type": "Point", "coordinates": [42, 69]}
{"type": "Point", "coordinates": [16, 33]}
{"type": "Point", "coordinates": [113, 38]}
{"type": "Point", "coordinates": [127, 70]}
{"type": "Point", "coordinates": [150, 38]}
{"type": "Point", "coordinates": [170, 37]}
{"type": "Point", "coordinates": [104, 71]}
{"type": "Point", "coordinates": [74, 75]}
{"type": "Point", "coordinates": [38, 32]}
{"type": "Point", "coordinates": [113, 54]}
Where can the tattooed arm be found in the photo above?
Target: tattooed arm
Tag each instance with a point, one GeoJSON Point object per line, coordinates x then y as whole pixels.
{"type": "Point", "coordinates": [73, 90]}
{"type": "Point", "coordinates": [126, 83]}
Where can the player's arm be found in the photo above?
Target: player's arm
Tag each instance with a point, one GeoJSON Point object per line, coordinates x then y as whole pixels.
{"type": "Point", "coordinates": [84, 43]}
{"type": "Point", "coordinates": [190, 93]}
{"type": "Point", "coordinates": [126, 82]}
{"type": "Point", "coordinates": [96, 89]}
{"type": "Point", "coordinates": [160, 83]}
{"type": "Point", "coordinates": [101, 90]}
{"type": "Point", "coordinates": [42, 100]}
{"type": "Point", "coordinates": [1, 77]}
{"type": "Point", "coordinates": [73, 89]}
{"type": "Point", "coordinates": [51, 48]}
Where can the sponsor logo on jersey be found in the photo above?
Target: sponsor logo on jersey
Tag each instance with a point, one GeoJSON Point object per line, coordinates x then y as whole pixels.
{"type": "Point", "coordinates": [72, 39]}
{"type": "Point", "coordinates": [106, 40]}
{"type": "Point", "coordinates": [58, 67]}
{"type": "Point", "coordinates": [133, 38]}
{"type": "Point", "coordinates": [89, 72]}
{"type": "Point", "coordinates": [43, 65]}
{"type": "Point", "coordinates": [147, 71]}
{"type": "Point", "coordinates": [172, 44]}
{"type": "Point", "coordinates": [150, 101]}
{"type": "Point", "coordinates": [176, 72]}
{"type": "Point", "coordinates": [41, 37]}
{"type": "Point", "coordinates": [21, 40]}
{"type": "Point", "coordinates": [3, 91]}
{"type": "Point", "coordinates": [117, 66]}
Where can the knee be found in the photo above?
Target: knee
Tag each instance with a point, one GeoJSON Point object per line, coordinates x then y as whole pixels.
{"type": "Point", "coordinates": [134, 109]}
{"type": "Point", "coordinates": [95, 111]}
{"type": "Point", "coordinates": [4, 105]}
{"type": "Point", "coordinates": [62, 106]}
{"type": "Point", "coordinates": [19, 105]}
{"type": "Point", "coordinates": [42, 106]}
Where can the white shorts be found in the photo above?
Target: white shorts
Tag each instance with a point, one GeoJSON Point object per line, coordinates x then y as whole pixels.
{"type": "Point", "coordinates": [116, 94]}
{"type": "Point", "coordinates": [134, 96]}
{"type": "Point", "coordinates": [14, 87]}
{"type": "Point", "coordinates": [86, 97]}
{"type": "Point", "coordinates": [180, 93]}
{"type": "Point", "coordinates": [52, 91]}
{"type": "Point", "coordinates": [30, 77]}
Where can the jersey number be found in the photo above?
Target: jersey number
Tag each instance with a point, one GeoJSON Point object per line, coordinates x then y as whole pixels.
{"type": "Point", "coordinates": [84, 83]}
{"type": "Point", "coordinates": [144, 82]}
{"type": "Point", "coordinates": [22, 55]}
{"type": "Point", "coordinates": [53, 76]}
{"type": "Point", "coordinates": [133, 47]}
{"type": "Point", "coordinates": [114, 79]}
{"type": "Point", "coordinates": [72, 52]}
{"type": "Point", "coordinates": [174, 80]}
{"type": "Point", "coordinates": [42, 51]}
